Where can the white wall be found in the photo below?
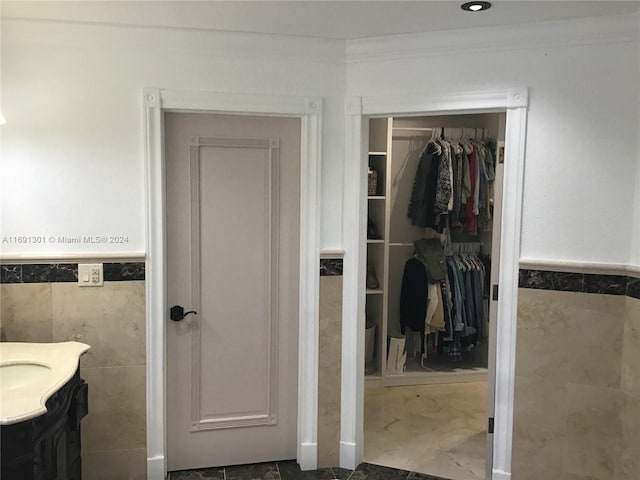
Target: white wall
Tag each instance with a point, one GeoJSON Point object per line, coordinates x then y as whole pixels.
{"type": "Point", "coordinates": [582, 152]}
{"type": "Point", "coordinates": [72, 151]}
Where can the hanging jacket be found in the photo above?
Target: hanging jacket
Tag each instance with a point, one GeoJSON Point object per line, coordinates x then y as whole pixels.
{"type": "Point", "coordinates": [444, 187]}
{"type": "Point", "coordinates": [470, 208]}
{"type": "Point", "coordinates": [458, 174]}
{"type": "Point", "coordinates": [413, 296]}
{"type": "Point", "coordinates": [423, 195]}
{"type": "Point", "coordinates": [431, 254]}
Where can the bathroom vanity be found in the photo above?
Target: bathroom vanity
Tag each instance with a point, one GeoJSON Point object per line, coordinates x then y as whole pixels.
{"type": "Point", "coordinates": [42, 402]}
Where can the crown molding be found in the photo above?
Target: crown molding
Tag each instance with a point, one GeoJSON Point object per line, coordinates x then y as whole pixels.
{"type": "Point", "coordinates": [567, 33]}
{"type": "Point", "coordinates": [142, 38]}
{"type": "Point", "coordinates": [562, 33]}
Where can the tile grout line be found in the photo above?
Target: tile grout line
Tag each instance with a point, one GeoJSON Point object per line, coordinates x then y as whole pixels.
{"type": "Point", "coordinates": [351, 474]}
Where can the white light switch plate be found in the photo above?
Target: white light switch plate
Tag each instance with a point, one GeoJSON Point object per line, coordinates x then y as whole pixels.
{"type": "Point", "coordinates": [90, 275]}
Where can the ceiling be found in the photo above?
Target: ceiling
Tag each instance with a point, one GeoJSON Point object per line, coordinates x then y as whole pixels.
{"type": "Point", "coordinates": [341, 20]}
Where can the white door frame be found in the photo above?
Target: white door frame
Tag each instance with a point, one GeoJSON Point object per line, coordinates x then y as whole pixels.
{"type": "Point", "coordinates": [358, 110]}
{"type": "Point", "coordinates": [309, 110]}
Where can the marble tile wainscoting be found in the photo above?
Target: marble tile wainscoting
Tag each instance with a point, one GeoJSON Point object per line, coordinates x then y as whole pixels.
{"type": "Point", "coordinates": [577, 389]}
{"type": "Point", "coordinates": [43, 303]}
{"type": "Point", "coordinates": [329, 361]}
{"type": "Point", "coordinates": [577, 395]}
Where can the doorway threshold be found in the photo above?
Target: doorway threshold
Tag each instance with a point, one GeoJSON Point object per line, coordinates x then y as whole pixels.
{"type": "Point", "coordinates": [290, 470]}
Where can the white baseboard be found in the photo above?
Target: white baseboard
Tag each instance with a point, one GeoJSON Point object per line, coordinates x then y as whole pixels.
{"type": "Point", "coordinates": [156, 468]}
{"type": "Point", "coordinates": [348, 457]}
{"type": "Point", "coordinates": [500, 475]}
{"type": "Point", "coordinates": [308, 456]}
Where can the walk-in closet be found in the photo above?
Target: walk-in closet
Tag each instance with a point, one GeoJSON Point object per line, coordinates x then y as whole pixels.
{"type": "Point", "coordinates": [434, 205]}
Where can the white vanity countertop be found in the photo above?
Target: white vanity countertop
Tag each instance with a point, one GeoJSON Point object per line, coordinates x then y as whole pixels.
{"type": "Point", "coordinates": [30, 373]}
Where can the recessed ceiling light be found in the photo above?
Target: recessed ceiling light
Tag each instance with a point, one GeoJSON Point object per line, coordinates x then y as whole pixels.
{"type": "Point", "coordinates": [475, 6]}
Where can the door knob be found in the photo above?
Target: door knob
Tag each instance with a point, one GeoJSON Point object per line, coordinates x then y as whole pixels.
{"type": "Point", "coordinates": [177, 313]}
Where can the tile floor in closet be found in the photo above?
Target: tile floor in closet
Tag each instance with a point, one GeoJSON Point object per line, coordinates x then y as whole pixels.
{"type": "Point", "coordinates": [433, 429]}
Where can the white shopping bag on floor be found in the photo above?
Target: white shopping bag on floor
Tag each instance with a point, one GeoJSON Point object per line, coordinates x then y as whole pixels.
{"type": "Point", "coordinates": [396, 355]}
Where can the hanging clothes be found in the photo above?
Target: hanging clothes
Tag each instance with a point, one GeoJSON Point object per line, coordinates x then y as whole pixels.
{"type": "Point", "coordinates": [444, 186]}
{"type": "Point", "coordinates": [435, 310]}
{"type": "Point", "coordinates": [470, 207]}
{"type": "Point", "coordinates": [431, 254]}
{"type": "Point", "coordinates": [447, 304]}
{"type": "Point", "coordinates": [473, 170]}
{"type": "Point", "coordinates": [458, 174]}
{"type": "Point", "coordinates": [467, 277]}
{"type": "Point", "coordinates": [423, 195]}
{"type": "Point", "coordinates": [414, 296]}
{"type": "Point", "coordinates": [490, 165]}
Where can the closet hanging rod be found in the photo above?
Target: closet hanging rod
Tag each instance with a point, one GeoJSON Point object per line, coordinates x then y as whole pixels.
{"type": "Point", "coordinates": [409, 137]}
{"type": "Point", "coordinates": [416, 129]}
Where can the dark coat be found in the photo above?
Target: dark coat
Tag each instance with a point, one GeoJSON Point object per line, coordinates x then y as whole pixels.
{"type": "Point", "coordinates": [413, 296]}
{"type": "Point", "coordinates": [423, 195]}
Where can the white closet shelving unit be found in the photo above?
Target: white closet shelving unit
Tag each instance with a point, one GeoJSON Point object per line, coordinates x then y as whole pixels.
{"type": "Point", "coordinates": [377, 254]}
{"type": "Point", "coordinates": [388, 155]}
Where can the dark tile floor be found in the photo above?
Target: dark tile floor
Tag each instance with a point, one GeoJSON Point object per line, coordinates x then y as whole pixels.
{"type": "Point", "coordinates": [290, 470]}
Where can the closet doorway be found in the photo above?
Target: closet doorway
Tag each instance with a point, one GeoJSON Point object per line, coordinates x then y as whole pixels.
{"type": "Point", "coordinates": [432, 252]}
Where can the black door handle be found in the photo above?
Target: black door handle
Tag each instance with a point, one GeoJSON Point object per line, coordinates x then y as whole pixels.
{"type": "Point", "coordinates": [177, 313]}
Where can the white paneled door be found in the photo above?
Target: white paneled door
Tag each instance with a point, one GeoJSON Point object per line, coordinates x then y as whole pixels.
{"type": "Point", "coordinates": [232, 203]}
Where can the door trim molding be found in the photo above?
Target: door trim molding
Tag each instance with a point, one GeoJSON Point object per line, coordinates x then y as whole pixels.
{"type": "Point", "coordinates": [309, 109]}
{"type": "Point", "coordinates": [515, 101]}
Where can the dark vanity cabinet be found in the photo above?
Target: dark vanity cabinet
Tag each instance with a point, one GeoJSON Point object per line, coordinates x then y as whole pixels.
{"type": "Point", "coordinates": [47, 447]}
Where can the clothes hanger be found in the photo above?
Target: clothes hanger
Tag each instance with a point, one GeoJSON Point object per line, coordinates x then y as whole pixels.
{"type": "Point", "coordinates": [465, 140]}
{"type": "Point", "coordinates": [461, 138]}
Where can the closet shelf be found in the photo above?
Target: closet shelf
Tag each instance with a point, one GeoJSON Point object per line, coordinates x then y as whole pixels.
{"type": "Point", "coordinates": [401, 244]}
{"type": "Point", "coordinates": [375, 241]}
{"type": "Point", "coordinates": [374, 291]}
{"type": "Point", "coordinates": [376, 197]}
{"type": "Point", "coordinates": [373, 379]}
{"type": "Point", "coordinates": [377, 153]}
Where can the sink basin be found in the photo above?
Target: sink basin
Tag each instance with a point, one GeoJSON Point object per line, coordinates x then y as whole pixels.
{"type": "Point", "coordinates": [30, 373]}
{"type": "Point", "coordinates": [18, 375]}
